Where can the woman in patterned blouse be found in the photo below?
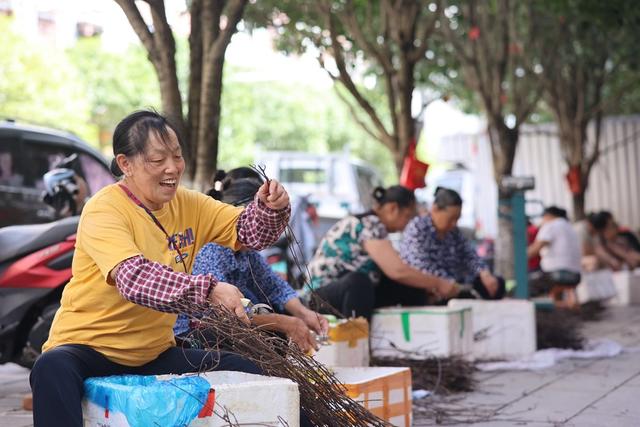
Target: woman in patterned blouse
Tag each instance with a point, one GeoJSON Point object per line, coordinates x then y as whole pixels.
{"type": "Point", "coordinates": [248, 270]}
{"type": "Point", "coordinates": [356, 253]}
{"type": "Point", "coordinates": [434, 244]}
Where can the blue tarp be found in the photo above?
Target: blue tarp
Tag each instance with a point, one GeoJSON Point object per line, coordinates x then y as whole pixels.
{"type": "Point", "coordinates": [148, 401]}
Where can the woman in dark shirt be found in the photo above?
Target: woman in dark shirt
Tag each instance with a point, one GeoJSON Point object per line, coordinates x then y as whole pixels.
{"type": "Point", "coordinates": [434, 244]}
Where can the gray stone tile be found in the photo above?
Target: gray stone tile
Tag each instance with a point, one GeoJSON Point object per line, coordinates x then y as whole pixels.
{"type": "Point", "coordinates": [619, 407]}
{"type": "Point", "coordinates": [602, 375]}
{"type": "Point", "coordinates": [551, 406]}
{"type": "Point", "coordinates": [16, 419]}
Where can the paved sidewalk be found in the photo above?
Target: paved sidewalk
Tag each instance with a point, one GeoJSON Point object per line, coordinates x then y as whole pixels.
{"type": "Point", "coordinates": [574, 393]}
{"type": "Point", "coordinates": [14, 385]}
{"type": "Point", "coordinates": [580, 393]}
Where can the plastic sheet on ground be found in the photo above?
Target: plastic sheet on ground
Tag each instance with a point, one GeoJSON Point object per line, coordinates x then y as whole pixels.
{"type": "Point", "coordinates": [542, 359]}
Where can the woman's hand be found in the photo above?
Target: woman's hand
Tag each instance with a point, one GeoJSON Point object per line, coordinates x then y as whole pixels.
{"type": "Point", "coordinates": [228, 296]}
{"type": "Point", "coordinates": [490, 282]}
{"type": "Point", "coordinates": [273, 195]}
{"type": "Point", "coordinates": [447, 289]}
{"type": "Point", "coordinates": [314, 321]}
{"type": "Point", "coordinates": [299, 333]}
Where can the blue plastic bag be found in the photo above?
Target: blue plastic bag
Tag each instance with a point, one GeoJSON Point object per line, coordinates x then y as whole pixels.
{"type": "Point", "coordinates": [147, 401]}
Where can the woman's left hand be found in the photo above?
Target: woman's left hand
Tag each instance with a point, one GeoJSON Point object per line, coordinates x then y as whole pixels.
{"type": "Point", "coordinates": [299, 334]}
{"type": "Point", "coordinates": [273, 195]}
{"type": "Point", "coordinates": [315, 321]}
{"type": "Point", "coordinates": [490, 282]}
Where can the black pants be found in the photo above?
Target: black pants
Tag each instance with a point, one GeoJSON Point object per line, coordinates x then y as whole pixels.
{"type": "Point", "coordinates": [391, 293]}
{"type": "Point", "coordinates": [57, 378]}
{"type": "Point", "coordinates": [354, 293]}
{"type": "Point", "coordinates": [541, 282]}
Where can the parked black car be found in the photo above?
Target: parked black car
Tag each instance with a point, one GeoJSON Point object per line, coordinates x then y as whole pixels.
{"type": "Point", "coordinates": [26, 154]}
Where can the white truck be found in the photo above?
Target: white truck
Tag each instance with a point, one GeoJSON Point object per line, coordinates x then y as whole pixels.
{"type": "Point", "coordinates": [335, 183]}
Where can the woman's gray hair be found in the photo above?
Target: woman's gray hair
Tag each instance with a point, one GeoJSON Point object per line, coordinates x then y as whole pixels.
{"type": "Point", "coordinates": [445, 197]}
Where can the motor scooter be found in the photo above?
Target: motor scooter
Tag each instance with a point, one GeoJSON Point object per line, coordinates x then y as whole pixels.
{"type": "Point", "coordinates": [35, 265]}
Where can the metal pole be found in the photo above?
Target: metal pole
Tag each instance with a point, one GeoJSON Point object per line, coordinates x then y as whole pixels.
{"type": "Point", "coordinates": [519, 223]}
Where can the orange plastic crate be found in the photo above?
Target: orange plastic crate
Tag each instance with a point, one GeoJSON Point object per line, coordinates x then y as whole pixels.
{"type": "Point", "coordinates": [385, 391]}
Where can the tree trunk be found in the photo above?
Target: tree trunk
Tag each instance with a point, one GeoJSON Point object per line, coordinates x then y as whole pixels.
{"type": "Point", "coordinates": [578, 205]}
{"type": "Point", "coordinates": [504, 260]}
{"type": "Point", "coordinates": [573, 141]}
{"type": "Point", "coordinates": [406, 123]}
{"type": "Point", "coordinates": [398, 159]}
{"type": "Point", "coordinates": [504, 141]}
{"type": "Point", "coordinates": [207, 143]}
{"type": "Point", "coordinates": [170, 95]}
{"type": "Point", "coordinates": [195, 85]}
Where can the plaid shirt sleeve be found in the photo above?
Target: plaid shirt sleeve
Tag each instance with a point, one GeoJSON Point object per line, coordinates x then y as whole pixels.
{"type": "Point", "coordinates": [157, 286]}
{"type": "Point", "coordinates": [260, 226]}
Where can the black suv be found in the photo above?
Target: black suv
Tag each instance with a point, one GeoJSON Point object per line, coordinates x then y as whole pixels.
{"type": "Point", "coordinates": [26, 154]}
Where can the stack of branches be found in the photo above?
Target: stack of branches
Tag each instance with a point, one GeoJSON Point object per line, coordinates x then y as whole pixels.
{"type": "Point", "coordinates": [443, 375]}
{"type": "Point", "coordinates": [592, 311]}
{"type": "Point", "coordinates": [322, 396]}
{"type": "Point", "coordinates": [559, 328]}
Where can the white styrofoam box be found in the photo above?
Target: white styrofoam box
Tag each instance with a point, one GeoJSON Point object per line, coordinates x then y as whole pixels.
{"type": "Point", "coordinates": [627, 285]}
{"type": "Point", "coordinates": [348, 344]}
{"type": "Point", "coordinates": [503, 329]}
{"type": "Point", "coordinates": [421, 332]}
{"type": "Point", "coordinates": [385, 391]}
{"type": "Point", "coordinates": [249, 399]}
{"type": "Point", "coordinates": [596, 286]}
{"type": "Point", "coordinates": [253, 399]}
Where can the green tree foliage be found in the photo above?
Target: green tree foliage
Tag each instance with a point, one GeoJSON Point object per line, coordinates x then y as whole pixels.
{"type": "Point", "coordinates": [115, 83]}
{"type": "Point", "coordinates": [39, 85]}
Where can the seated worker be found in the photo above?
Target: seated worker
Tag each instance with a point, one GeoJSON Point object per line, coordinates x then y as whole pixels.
{"type": "Point", "coordinates": [620, 246]}
{"type": "Point", "coordinates": [559, 249]}
{"type": "Point", "coordinates": [594, 254]}
{"type": "Point", "coordinates": [248, 270]}
{"type": "Point", "coordinates": [356, 253]}
{"type": "Point", "coordinates": [435, 245]}
{"type": "Point", "coordinates": [131, 272]}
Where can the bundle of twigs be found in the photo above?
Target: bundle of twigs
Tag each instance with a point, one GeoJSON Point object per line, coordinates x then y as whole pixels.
{"type": "Point", "coordinates": [559, 328]}
{"type": "Point", "coordinates": [443, 375]}
{"type": "Point", "coordinates": [322, 396]}
{"type": "Point", "coordinates": [592, 311]}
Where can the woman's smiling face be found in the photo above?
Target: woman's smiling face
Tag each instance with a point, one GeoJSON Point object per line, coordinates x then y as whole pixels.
{"type": "Point", "coordinates": [154, 175]}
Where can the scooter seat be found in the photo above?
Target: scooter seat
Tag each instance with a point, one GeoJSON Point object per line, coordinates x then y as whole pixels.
{"type": "Point", "coordinates": [19, 240]}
